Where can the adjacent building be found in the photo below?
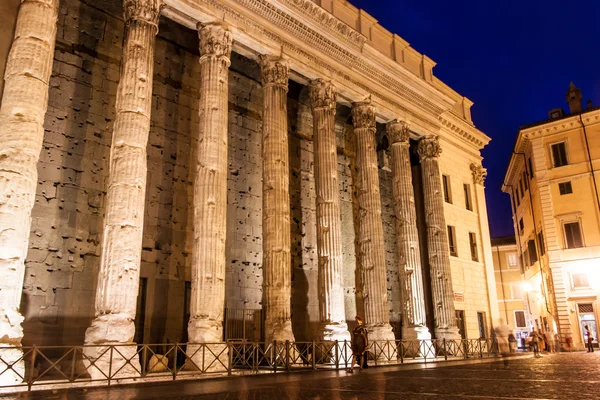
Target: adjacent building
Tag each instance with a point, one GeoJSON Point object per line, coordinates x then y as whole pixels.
{"type": "Point", "coordinates": [510, 287]}
{"type": "Point", "coordinates": [553, 185]}
{"type": "Point", "coordinates": [175, 171]}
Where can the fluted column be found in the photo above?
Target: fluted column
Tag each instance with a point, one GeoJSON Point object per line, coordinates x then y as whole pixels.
{"type": "Point", "coordinates": [411, 276]}
{"type": "Point", "coordinates": [277, 284]}
{"type": "Point", "coordinates": [329, 227]}
{"type": "Point", "coordinates": [370, 225]}
{"type": "Point", "coordinates": [437, 240]}
{"type": "Point", "coordinates": [22, 112]}
{"type": "Point", "coordinates": [210, 188]}
{"type": "Point", "coordinates": [119, 274]}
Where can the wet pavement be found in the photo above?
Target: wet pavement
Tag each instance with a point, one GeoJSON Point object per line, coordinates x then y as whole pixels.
{"type": "Point", "coordinates": [557, 376]}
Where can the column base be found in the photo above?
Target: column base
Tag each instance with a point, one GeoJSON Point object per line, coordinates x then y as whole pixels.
{"type": "Point", "coordinates": [279, 331]}
{"type": "Point", "coordinates": [332, 331]}
{"type": "Point", "coordinates": [417, 342]}
{"type": "Point", "coordinates": [380, 332]}
{"type": "Point", "coordinates": [120, 362]}
{"type": "Point", "coordinates": [205, 346]}
{"type": "Point", "coordinates": [11, 333]}
{"type": "Point", "coordinates": [448, 334]}
{"type": "Point", "coordinates": [380, 337]}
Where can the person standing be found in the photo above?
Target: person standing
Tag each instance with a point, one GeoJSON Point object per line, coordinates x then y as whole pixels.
{"type": "Point", "coordinates": [590, 338]}
{"type": "Point", "coordinates": [533, 338]}
{"type": "Point", "coordinates": [512, 342]}
{"type": "Point", "coordinates": [359, 344]}
{"type": "Point", "coordinates": [550, 342]}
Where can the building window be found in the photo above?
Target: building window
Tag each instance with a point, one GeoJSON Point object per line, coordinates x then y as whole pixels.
{"type": "Point", "coordinates": [565, 188]}
{"type": "Point", "coordinates": [517, 197]}
{"type": "Point", "coordinates": [447, 192]}
{"type": "Point", "coordinates": [541, 243]}
{"type": "Point", "coordinates": [452, 241]}
{"type": "Point", "coordinates": [468, 203]}
{"type": "Point", "coordinates": [532, 251]}
{"type": "Point", "coordinates": [573, 235]}
{"type": "Point", "coordinates": [511, 260]}
{"type": "Point", "coordinates": [521, 225]}
{"type": "Point", "coordinates": [580, 281]}
{"type": "Point", "coordinates": [473, 244]}
{"type": "Point", "coordinates": [521, 187]}
{"type": "Point", "coordinates": [481, 323]}
{"type": "Point", "coordinates": [526, 258]}
{"type": "Point", "coordinates": [514, 203]}
{"type": "Point", "coordinates": [530, 167]}
{"type": "Point", "coordinates": [559, 154]}
{"type": "Point", "coordinates": [520, 319]}
{"type": "Point", "coordinates": [525, 180]}
{"type": "Point", "coordinates": [516, 291]}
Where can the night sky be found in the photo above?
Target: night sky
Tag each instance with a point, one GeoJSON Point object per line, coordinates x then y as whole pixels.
{"type": "Point", "coordinates": [514, 59]}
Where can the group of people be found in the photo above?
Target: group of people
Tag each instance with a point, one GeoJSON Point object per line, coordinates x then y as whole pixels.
{"type": "Point", "coordinates": [539, 342]}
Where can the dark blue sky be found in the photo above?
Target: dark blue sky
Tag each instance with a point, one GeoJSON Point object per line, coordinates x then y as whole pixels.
{"type": "Point", "coordinates": [514, 59]}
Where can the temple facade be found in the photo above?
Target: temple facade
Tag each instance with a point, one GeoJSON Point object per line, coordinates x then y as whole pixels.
{"type": "Point", "coordinates": [202, 170]}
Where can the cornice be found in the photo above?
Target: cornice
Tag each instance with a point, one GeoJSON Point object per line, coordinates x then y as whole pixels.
{"type": "Point", "coordinates": [464, 130]}
{"type": "Point", "coordinates": [561, 125]}
{"type": "Point", "coordinates": [324, 18]}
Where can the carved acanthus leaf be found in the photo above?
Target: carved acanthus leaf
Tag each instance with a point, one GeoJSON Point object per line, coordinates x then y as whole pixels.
{"type": "Point", "coordinates": [398, 131]}
{"type": "Point", "coordinates": [479, 174]}
{"type": "Point", "coordinates": [322, 93]}
{"type": "Point", "coordinates": [429, 147]}
{"type": "Point", "coordinates": [215, 40]}
{"type": "Point", "coordinates": [274, 71]}
{"type": "Point", "coordinates": [363, 115]}
{"type": "Point", "coordinates": [142, 10]}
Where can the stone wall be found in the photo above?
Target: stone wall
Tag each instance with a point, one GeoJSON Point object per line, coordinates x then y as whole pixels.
{"type": "Point", "coordinates": [63, 258]}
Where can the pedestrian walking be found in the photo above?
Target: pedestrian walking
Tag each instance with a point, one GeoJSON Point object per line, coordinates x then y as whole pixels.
{"type": "Point", "coordinates": [533, 342]}
{"type": "Point", "coordinates": [359, 344]}
{"type": "Point", "coordinates": [550, 341]}
{"type": "Point", "coordinates": [512, 342]}
{"type": "Point", "coordinates": [590, 338]}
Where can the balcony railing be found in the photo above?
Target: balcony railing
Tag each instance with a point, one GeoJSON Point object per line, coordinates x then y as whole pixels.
{"type": "Point", "coordinates": [44, 367]}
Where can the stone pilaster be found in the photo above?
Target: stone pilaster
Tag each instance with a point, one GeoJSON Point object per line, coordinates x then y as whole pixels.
{"type": "Point", "coordinates": [329, 233]}
{"type": "Point", "coordinates": [210, 189]}
{"type": "Point", "coordinates": [479, 174]}
{"type": "Point", "coordinates": [409, 256]}
{"type": "Point", "coordinates": [119, 274]}
{"type": "Point", "coordinates": [276, 202]}
{"type": "Point", "coordinates": [370, 225]}
{"type": "Point", "coordinates": [22, 112]}
{"type": "Point", "coordinates": [437, 240]}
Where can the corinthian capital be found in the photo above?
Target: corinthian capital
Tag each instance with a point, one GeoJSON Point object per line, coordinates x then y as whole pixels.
{"type": "Point", "coordinates": [363, 114]}
{"type": "Point", "coordinates": [397, 131]}
{"type": "Point", "coordinates": [215, 40]}
{"type": "Point", "coordinates": [479, 174]}
{"type": "Point", "coordinates": [274, 71]}
{"type": "Point", "coordinates": [322, 94]}
{"type": "Point", "coordinates": [142, 10]}
{"type": "Point", "coordinates": [429, 147]}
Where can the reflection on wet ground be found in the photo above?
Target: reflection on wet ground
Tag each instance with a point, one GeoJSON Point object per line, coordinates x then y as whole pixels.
{"type": "Point", "coordinates": [557, 376]}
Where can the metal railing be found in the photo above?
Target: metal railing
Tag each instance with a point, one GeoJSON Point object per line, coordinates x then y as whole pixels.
{"type": "Point", "coordinates": [42, 367]}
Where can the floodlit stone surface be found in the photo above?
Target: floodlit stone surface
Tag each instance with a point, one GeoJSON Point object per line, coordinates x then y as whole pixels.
{"type": "Point", "coordinates": [370, 229]}
{"type": "Point", "coordinates": [210, 189]}
{"type": "Point", "coordinates": [276, 202]}
{"type": "Point", "coordinates": [437, 241]}
{"type": "Point", "coordinates": [329, 236]}
{"type": "Point", "coordinates": [24, 104]}
{"type": "Point", "coordinates": [411, 272]}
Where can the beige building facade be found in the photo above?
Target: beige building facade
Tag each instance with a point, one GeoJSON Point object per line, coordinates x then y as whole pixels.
{"type": "Point", "coordinates": [510, 287]}
{"type": "Point", "coordinates": [553, 186]}
{"type": "Point", "coordinates": [196, 171]}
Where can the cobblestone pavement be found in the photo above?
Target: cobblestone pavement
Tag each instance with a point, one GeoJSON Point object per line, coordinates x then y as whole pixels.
{"type": "Point", "coordinates": [558, 376]}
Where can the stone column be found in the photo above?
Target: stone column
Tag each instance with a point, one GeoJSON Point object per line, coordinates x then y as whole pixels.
{"type": "Point", "coordinates": [370, 225]}
{"type": "Point", "coordinates": [409, 255]}
{"type": "Point", "coordinates": [437, 240]}
{"type": "Point", "coordinates": [277, 283]}
{"type": "Point", "coordinates": [22, 112]}
{"type": "Point", "coordinates": [479, 174]}
{"type": "Point", "coordinates": [119, 275]}
{"type": "Point", "coordinates": [329, 227]}
{"type": "Point", "coordinates": [210, 192]}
